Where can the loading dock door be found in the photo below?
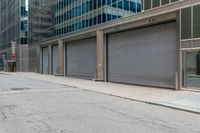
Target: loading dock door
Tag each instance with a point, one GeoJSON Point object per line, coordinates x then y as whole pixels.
{"type": "Point", "coordinates": [81, 59]}
{"type": "Point", "coordinates": [54, 59]}
{"type": "Point", "coordinates": [45, 61]}
{"type": "Point", "coordinates": [146, 56]}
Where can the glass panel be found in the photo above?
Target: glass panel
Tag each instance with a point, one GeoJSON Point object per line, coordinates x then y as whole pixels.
{"type": "Point", "coordinates": [164, 2]}
{"type": "Point", "coordinates": [156, 3]}
{"type": "Point", "coordinates": [174, 0]}
{"type": "Point", "coordinates": [196, 21]}
{"type": "Point", "coordinates": [192, 69]}
{"type": "Point", "coordinates": [186, 23]}
{"type": "Point", "coordinates": [147, 4]}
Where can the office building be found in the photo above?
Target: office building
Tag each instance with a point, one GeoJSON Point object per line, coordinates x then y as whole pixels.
{"type": "Point", "coordinates": [13, 30]}
{"type": "Point", "coordinates": [140, 42]}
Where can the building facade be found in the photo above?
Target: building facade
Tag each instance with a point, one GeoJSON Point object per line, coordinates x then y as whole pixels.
{"type": "Point", "coordinates": [14, 28]}
{"type": "Point", "coordinates": [75, 15]}
{"type": "Point", "coordinates": [141, 42]}
{"type": "Point", "coordinates": [54, 18]}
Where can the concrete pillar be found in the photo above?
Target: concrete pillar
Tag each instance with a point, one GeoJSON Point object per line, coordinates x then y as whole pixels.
{"type": "Point", "coordinates": [178, 76]}
{"type": "Point", "coordinates": [22, 58]}
{"type": "Point", "coordinates": [100, 56]}
{"type": "Point", "coordinates": [50, 59]}
{"type": "Point", "coordinates": [61, 57]}
{"type": "Point", "coordinates": [38, 61]}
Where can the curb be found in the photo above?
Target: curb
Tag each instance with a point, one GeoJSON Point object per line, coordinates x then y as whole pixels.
{"type": "Point", "coordinates": [152, 103]}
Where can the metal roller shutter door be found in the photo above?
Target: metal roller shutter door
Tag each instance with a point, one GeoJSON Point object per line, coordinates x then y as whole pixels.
{"type": "Point", "coordinates": [54, 59]}
{"type": "Point", "coordinates": [45, 60]}
{"type": "Point", "coordinates": [146, 56]}
{"type": "Point", "coordinates": [81, 59]}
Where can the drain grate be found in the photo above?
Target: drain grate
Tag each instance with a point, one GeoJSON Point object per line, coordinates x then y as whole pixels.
{"type": "Point", "coordinates": [19, 89]}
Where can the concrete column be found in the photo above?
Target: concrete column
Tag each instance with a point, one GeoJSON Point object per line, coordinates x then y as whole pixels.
{"type": "Point", "coordinates": [179, 70]}
{"type": "Point", "coordinates": [50, 59]}
{"type": "Point", "coordinates": [22, 58]}
{"type": "Point", "coordinates": [61, 57]}
{"type": "Point", "coordinates": [100, 56]}
{"type": "Point", "coordinates": [38, 61]}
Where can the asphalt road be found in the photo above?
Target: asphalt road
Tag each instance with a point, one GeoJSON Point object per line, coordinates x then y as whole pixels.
{"type": "Point", "coordinates": [34, 106]}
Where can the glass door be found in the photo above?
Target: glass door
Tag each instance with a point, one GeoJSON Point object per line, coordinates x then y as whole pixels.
{"type": "Point", "coordinates": [191, 69]}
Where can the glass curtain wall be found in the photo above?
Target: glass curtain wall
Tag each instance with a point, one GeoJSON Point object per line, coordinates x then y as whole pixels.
{"type": "Point", "coordinates": [149, 4]}
{"type": "Point", "coordinates": [23, 22]}
{"type": "Point", "coordinates": [40, 20]}
{"type": "Point", "coordinates": [56, 17]}
{"type": "Point", "coordinates": [9, 27]}
{"type": "Point", "coordinates": [190, 45]}
{"type": "Point", "coordinates": [51, 18]}
{"type": "Point", "coordinates": [14, 22]}
{"type": "Point", "coordinates": [13, 25]}
{"type": "Point", "coordinates": [72, 15]}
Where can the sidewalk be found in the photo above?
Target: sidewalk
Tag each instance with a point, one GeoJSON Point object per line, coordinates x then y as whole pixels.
{"type": "Point", "coordinates": [182, 100]}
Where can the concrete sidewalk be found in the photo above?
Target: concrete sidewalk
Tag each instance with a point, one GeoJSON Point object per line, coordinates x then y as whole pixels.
{"type": "Point", "coordinates": [183, 100]}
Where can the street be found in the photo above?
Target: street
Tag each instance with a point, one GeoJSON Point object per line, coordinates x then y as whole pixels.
{"type": "Point", "coordinates": [37, 106]}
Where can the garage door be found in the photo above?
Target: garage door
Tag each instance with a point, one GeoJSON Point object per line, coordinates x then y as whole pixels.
{"type": "Point", "coordinates": [81, 59]}
{"type": "Point", "coordinates": [45, 61]}
{"type": "Point", "coordinates": [146, 56]}
{"type": "Point", "coordinates": [54, 59]}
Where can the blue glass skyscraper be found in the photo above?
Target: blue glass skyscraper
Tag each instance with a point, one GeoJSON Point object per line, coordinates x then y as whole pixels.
{"type": "Point", "coordinates": [13, 28]}
{"type": "Point", "coordinates": [53, 18]}
{"type": "Point", "coordinates": [73, 15]}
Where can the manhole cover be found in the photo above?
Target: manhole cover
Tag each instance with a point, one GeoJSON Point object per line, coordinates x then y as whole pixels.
{"type": "Point", "coordinates": [18, 89]}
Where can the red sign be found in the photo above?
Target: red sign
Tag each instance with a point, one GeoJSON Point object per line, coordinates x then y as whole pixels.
{"type": "Point", "coordinates": [13, 49]}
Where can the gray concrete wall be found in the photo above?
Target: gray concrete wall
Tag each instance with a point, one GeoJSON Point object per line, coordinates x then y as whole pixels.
{"type": "Point", "coordinates": [34, 59]}
{"type": "Point", "coordinates": [50, 59]}
{"type": "Point", "coordinates": [22, 59]}
{"type": "Point", "coordinates": [100, 55]}
{"type": "Point", "coordinates": [61, 57]}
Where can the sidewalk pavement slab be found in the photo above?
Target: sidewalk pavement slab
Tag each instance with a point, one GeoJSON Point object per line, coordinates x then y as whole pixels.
{"type": "Point", "coordinates": [183, 100]}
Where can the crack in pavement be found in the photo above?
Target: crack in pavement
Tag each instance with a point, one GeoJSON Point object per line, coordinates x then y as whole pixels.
{"type": "Point", "coordinates": [4, 116]}
{"type": "Point", "coordinates": [139, 121]}
{"type": "Point", "coordinates": [45, 127]}
{"type": "Point", "coordinates": [5, 109]}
